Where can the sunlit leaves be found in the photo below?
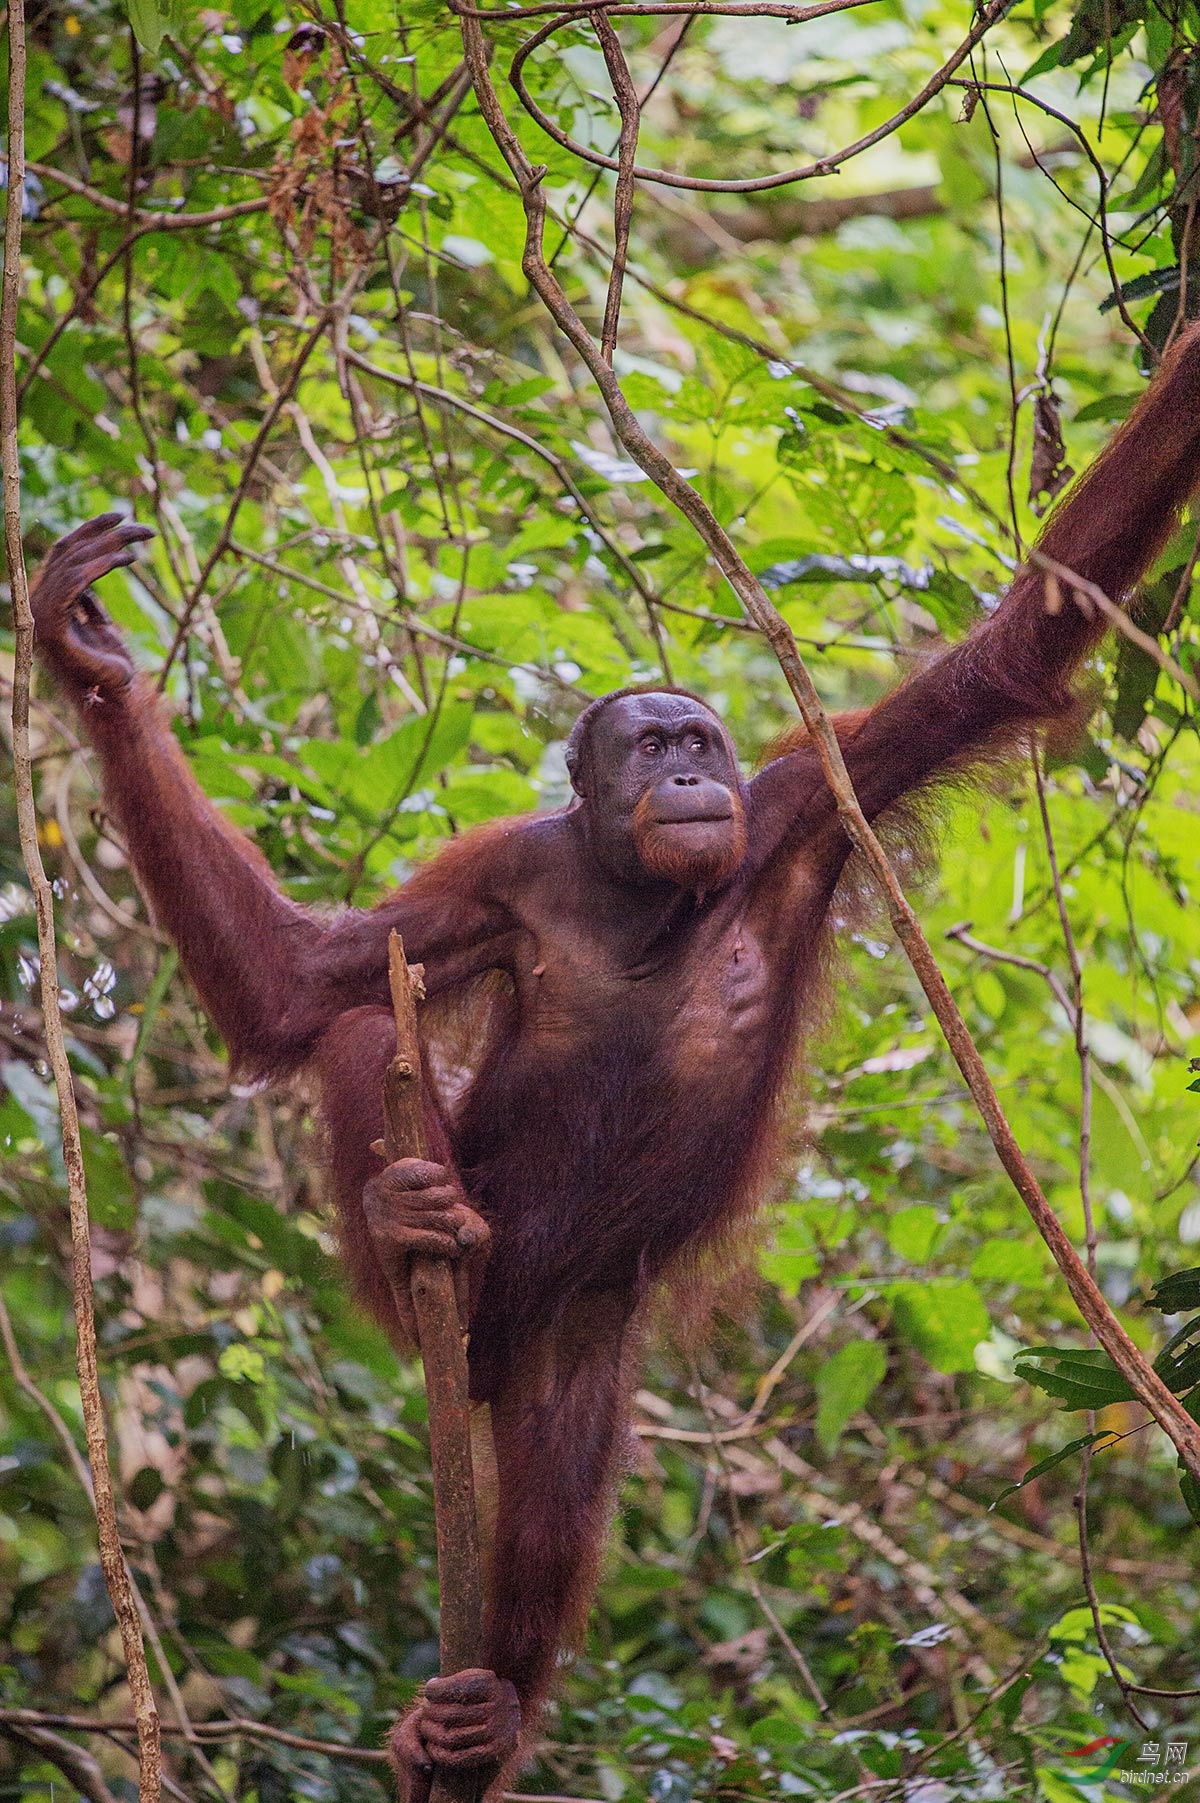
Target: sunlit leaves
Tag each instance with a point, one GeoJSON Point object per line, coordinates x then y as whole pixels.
{"type": "Point", "coordinates": [944, 1321]}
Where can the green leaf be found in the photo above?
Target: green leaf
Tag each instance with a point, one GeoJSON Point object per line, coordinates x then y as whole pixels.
{"type": "Point", "coordinates": [1174, 1293]}
{"type": "Point", "coordinates": [514, 394]}
{"type": "Point", "coordinates": [1076, 1626]}
{"type": "Point", "coordinates": [1155, 281]}
{"type": "Point", "coordinates": [408, 758]}
{"type": "Point", "coordinates": [1190, 1490]}
{"type": "Point", "coordinates": [472, 796]}
{"type": "Point", "coordinates": [242, 1363]}
{"type": "Point", "coordinates": [990, 993]}
{"type": "Point", "coordinates": [1108, 407]}
{"type": "Point", "coordinates": [1137, 671]}
{"type": "Point", "coordinates": [39, 1102]}
{"type": "Point", "coordinates": [149, 24]}
{"type": "Point", "coordinates": [944, 1321]}
{"type": "Point", "coordinates": [844, 1384]}
{"type": "Point", "coordinates": [1048, 1464]}
{"type": "Point", "coordinates": [145, 1487]}
{"type": "Point", "coordinates": [1082, 1379]}
{"type": "Point", "coordinates": [235, 1216]}
{"type": "Point", "coordinates": [913, 1231]}
{"type": "Point", "coordinates": [1053, 1789]}
{"type": "Point", "coordinates": [110, 1192]}
{"type": "Point", "coordinates": [953, 603]}
{"type": "Point", "coordinates": [1009, 1261]}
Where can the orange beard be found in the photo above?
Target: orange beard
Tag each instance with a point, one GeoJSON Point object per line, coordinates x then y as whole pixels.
{"type": "Point", "coordinates": [701, 855]}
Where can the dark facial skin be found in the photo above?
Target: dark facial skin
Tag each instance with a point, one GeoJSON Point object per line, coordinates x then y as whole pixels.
{"type": "Point", "coordinates": [661, 793]}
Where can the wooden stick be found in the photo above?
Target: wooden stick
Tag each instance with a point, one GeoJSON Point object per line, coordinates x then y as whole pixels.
{"type": "Point", "coordinates": [444, 1355]}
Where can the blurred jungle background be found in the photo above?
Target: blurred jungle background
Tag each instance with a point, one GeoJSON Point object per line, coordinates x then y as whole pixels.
{"type": "Point", "coordinates": [272, 299]}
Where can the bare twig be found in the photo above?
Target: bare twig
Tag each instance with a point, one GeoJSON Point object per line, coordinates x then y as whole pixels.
{"type": "Point", "coordinates": [963, 935]}
{"type": "Point", "coordinates": [75, 1763]}
{"type": "Point", "coordinates": [80, 299]}
{"type": "Point", "coordinates": [147, 221]}
{"type": "Point", "coordinates": [751, 1421]}
{"type": "Point", "coordinates": [753, 184]}
{"type": "Point", "coordinates": [1182, 590]}
{"type": "Point", "coordinates": [1078, 1015]}
{"type": "Point", "coordinates": [227, 1728]}
{"type": "Point", "coordinates": [630, 110]}
{"type": "Point", "coordinates": [659, 9]}
{"type": "Point", "coordinates": [1102, 185]}
{"type": "Point", "coordinates": [112, 1557]}
{"type": "Point", "coordinates": [411, 622]}
{"type": "Point", "coordinates": [1089, 1585]}
{"type": "Point", "coordinates": [40, 1400]}
{"type": "Point", "coordinates": [930, 1590]}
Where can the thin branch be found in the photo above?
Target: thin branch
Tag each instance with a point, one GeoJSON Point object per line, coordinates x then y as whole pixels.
{"type": "Point", "coordinates": [115, 911]}
{"type": "Point", "coordinates": [235, 1728]}
{"type": "Point", "coordinates": [951, 475]}
{"type": "Point", "coordinates": [24, 1382]}
{"type": "Point", "coordinates": [1089, 1585]}
{"type": "Point", "coordinates": [40, 1400]}
{"type": "Point", "coordinates": [963, 935]}
{"type": "Point", "coordinates": [631, 112]}
{"type": "Point", "coordinates": [924, 1483]}
{"type": "Point", "coordinates": [754, 184]}
{"type": "Point", "coordinates": [1084, 592]}
{"type": "Point", "coordinates": [1182, 591]}
{"type": "Point", "coordinates": [930, 1590]}
{"type": "Point", "coordinates": [112, 1557]}
{"type": "Point", "coordinates": [654, 9]}
{"type": "Point", "coordinates": [1102, 185]}
{"type": "Point", "coordinates": [228, 1728]}
{"type": "Point", "coordinates": [147, 221]}
{"type": "Point", "coordinates": [411, 622]}
{"type": "Point", "coordinates": [83, 294]}
{"type": "Point", "coordinates": [1168, 1411]}
{"type": "Point", "coordinates": [750, 1423]}
{"type": "Point", "coordinates": [1078, 1013]}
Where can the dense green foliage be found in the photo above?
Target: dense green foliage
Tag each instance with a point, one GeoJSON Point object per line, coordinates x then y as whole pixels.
{"type": "Point", "coordinates": [397, 546]}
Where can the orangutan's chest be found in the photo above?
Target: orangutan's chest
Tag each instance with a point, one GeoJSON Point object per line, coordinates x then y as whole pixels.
{"type": "Point", "coordinates": [724, 1007]}
{"type": "Point", "coordinates": [701, 994]}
